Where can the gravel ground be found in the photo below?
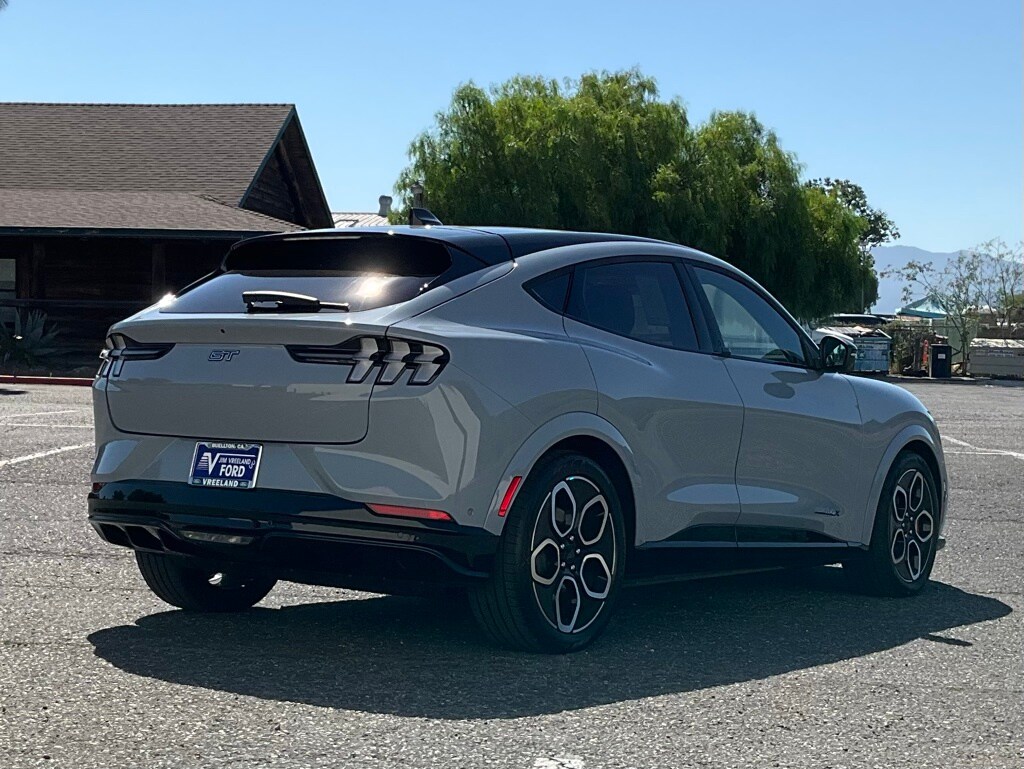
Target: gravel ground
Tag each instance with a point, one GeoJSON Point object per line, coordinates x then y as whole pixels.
{"type": "Point", "coordinates": [773, 670]}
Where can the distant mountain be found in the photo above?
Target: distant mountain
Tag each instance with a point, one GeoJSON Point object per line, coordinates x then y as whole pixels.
{"type": "Point", "coordinates": [890, 290]}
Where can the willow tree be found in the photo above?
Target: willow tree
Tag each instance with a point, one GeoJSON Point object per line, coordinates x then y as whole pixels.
{"type": "Point", "coordinates": [606, 153]}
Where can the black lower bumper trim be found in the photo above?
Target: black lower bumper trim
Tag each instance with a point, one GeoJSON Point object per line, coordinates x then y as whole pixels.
{"type": "Point", "coordinates": [323, 538]}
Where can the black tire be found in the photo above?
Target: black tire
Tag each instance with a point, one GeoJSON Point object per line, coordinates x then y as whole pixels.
{"type": "Point", "coordinates": [517, 606]}
{"type": "Point", "coordinates": [888, 568]}
{"type": "Point", "coordinates": [189, 588]}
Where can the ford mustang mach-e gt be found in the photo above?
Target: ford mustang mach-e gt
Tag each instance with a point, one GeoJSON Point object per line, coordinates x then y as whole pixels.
{"type": "Point", "coordinates": [536, 418]}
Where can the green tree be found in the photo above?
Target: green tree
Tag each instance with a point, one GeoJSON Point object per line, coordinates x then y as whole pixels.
{"type": "Point", "coordinates": [843, 280]}
{"type": "Point", "coordinates": [958, 289]}
{"type": "Point", "coordinates": [1002, 278]}
{"type": "Point", "coordinates": [537, 153]}
{"type": "Point", "coordinates": [877, 228]}
{"type": "Point", "coordinates": [605, 153]}
{"type": "Point", "coordinates": [987, 276]}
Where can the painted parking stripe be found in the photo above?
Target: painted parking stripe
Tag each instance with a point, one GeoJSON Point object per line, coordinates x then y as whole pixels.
{"type": "Point", "coordinates": [966, 445]}
{"type": "Point", "coordinates": [53, 427]}
{"type": "Point", "coordinates": [41, 454]}
{"type": "Point", "coordinates": [558, 762]}
{"type": "Point", "coordinates": [41, 414]}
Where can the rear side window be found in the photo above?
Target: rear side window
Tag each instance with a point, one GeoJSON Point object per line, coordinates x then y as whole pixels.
{"type": "Point", "coordinates": [550, 290]}
{"type": "Point", "coordinates": [639, 300]}
{"type": "Point", "coordinates": [362, 271]}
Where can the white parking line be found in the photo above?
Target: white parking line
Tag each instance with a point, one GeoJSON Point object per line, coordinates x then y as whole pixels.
{"type": "Point", "coordinates": [41, 454]}
{"type": "Point", "coordinates": [980, 450]}
{"type": "Point", "coordinates": [36, 424]}
{"type": "Point", "coordinates": [41, 413]}
{"type": "Point", "coordinates": [558, 762]}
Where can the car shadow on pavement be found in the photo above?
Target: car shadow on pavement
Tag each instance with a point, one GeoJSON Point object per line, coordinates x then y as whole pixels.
{"type": "Point", "coordinates": [418, 657]}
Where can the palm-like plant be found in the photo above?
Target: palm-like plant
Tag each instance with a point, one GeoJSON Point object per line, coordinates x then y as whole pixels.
{"type": "Point", "coordinates": [28, 341]}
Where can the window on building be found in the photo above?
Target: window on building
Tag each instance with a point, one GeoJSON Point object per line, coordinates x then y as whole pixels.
{"type": "Point", "coordinates": [8, 287]}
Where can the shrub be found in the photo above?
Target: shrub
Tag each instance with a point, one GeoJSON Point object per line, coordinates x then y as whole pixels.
{"type": "Point", "coordinates": [27, 341]}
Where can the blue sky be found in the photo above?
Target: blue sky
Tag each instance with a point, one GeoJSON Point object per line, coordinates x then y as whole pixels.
{"type": "Point", "coordinates": [919, 101]}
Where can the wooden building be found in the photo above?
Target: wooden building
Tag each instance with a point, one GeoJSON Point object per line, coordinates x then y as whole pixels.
{"type": "Point", "coordinates": [106, 207]}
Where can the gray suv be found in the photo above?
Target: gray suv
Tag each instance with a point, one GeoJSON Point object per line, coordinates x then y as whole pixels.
{"type": "Point", "coordinates": [534, 418]}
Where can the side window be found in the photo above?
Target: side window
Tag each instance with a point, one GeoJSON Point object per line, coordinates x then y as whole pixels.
{"type": "Point", "coordinates": [550, 290]}
{"type": "Point", "coordinates": [750, 327]}
{"type": "Point", "coordinates": [8, 287]}
{"type": "Point", "coordinates": [639, 300]}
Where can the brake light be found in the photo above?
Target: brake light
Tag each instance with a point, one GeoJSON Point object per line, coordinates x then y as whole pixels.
{"type": "Point", "coordinates": [510, 494]}
{"type": "Point", "coordinates": [383, 357]}
{"type": "Point", "coordinates": [120, 348]}
{"type": "Point", "coordinates": [398, 511]}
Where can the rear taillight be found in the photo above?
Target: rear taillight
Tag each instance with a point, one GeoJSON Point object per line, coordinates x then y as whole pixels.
{"type": "Point", "coordinates": [120, 348]}
{"type": "Point", "coordinates": [384, 358]}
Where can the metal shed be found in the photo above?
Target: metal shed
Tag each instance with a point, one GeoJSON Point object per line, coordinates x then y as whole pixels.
{"type": "Point", "coordinates": [997, 357]}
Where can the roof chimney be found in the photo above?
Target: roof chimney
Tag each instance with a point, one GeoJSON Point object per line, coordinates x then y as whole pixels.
{"type": "Point", "coordinates": [385, 205]}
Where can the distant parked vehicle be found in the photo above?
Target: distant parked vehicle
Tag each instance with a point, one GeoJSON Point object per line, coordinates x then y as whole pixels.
{"type": "Point", "coordinates": [535, 417]}
{"type": "Point", "coordinates": [858, 319]}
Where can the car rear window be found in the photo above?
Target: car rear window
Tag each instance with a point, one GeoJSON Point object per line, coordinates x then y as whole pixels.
{"type": "Point", "coordinates": [362, 271]}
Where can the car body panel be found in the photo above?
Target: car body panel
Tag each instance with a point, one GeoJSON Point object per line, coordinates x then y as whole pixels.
{"type": "Point", "coordinates": [540, 441]}
{"type": "Point", "coordinates": [706, 441]}
{"type": "Point", "coordinates": [799, 465]}
{"type": "Point", "coordinates": [687, 416]}
{"type": "Point", "coordinates": [438, 461]}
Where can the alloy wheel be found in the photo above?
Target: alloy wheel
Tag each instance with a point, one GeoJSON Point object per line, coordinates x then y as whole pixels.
{"type": "Point", "coordinates": [911, 525]}
{"type": "Point", "coordinates": [572, 554]}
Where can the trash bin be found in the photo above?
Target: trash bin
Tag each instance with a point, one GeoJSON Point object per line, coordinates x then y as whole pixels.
{"type": "Point", "coordinates": [941, 361]}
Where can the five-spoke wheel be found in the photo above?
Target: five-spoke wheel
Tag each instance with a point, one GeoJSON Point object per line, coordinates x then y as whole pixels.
{"type": "Point", "coordinates": [911, 525]}
{"type": "Point", "coordinates": [572, 557]}
{"type": "Point", "coordinates": [904, 538]}
{"type": "Point", "coordinates": [560, 562]}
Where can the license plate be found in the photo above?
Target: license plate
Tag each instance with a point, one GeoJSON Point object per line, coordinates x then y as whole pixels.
{"type": "Point", "coordinates": [226, 465]}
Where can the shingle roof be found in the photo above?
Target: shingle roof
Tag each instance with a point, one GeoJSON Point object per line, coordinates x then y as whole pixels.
{"type": "Point", "coordinates": [77, 209]}
{"type": "Point", "coordinates": [355, 219]}
{"type": "Point", "coordinates": [214, 149]}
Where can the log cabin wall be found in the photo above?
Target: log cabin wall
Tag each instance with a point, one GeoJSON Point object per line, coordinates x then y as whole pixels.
{"type": "Point", "coordinates": [104, 208]}
{"type": "Point", "coordinates": [85, 285]}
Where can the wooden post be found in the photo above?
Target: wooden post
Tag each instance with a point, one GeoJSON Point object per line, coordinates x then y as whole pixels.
{"type": "Point", "coordinates": [159, 270]}
{"type": "Point", "coordinates": [22, 272]}
{"type": "Point", "coordinates": [37, 271]}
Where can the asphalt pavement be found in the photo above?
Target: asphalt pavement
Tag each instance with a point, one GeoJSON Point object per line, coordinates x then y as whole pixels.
{"type": "Point", "coordinates": [787, 670]}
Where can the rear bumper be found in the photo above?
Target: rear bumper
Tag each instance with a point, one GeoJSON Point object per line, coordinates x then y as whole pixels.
{"type": "Point", "coordinates": [315, 538]}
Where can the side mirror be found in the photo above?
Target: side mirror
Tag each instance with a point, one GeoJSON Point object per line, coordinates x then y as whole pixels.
{"type": "Point", "coordinates": [837, 354]}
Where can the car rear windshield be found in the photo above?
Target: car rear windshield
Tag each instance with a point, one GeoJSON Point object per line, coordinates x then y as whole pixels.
{"type": "Point", "coordinates": [363, 272]}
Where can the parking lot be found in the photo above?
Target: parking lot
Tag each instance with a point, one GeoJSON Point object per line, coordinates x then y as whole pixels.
{"type": "Point", "coordinates": [769, 670]}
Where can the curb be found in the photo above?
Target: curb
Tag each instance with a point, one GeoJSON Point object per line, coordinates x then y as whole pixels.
{"type": "Point", "coordinates": [47, 380]}
{"type": "Point", "coordinates": [962, 381]}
